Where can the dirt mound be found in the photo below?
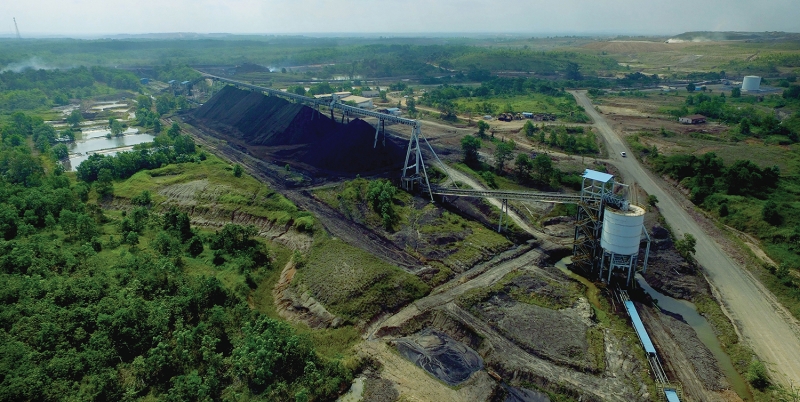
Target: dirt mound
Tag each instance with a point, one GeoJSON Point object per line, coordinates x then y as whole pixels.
{"type": "Point", "coordinates": [298, 134]}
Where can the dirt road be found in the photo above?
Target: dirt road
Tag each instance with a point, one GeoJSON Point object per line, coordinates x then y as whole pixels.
{"type": "Point", "coordinates": [765, 325]}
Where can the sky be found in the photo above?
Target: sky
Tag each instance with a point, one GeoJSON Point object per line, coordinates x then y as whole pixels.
{"type": "Point", "coordinates": [78, 18]}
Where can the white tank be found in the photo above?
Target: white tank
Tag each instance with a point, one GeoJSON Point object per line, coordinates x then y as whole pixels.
{"type": "Point", "coordinates": [751, 83]}
{"type": "Point", "coordinates": [622, 230]}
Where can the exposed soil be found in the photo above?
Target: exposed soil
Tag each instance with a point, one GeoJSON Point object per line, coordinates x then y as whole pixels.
{"type": "Point", "coordinates": [520, 343]}
{"type": "Point", "coordinates": [547, 333]}
{"type": "Point", "coordinates": [688, 361]}
{"type": "Point", "coordinates": [303, 307]}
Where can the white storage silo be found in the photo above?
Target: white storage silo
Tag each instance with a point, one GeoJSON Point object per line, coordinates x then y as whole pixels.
{"type": "Point", "coordinates": [751, 83]}
{"type": "Point", "coordinates": [620, 240]}
{"type": "Point", "coordinates": [622, 230]}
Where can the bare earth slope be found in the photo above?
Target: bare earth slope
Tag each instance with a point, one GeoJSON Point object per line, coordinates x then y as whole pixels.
{"type": "Point", "coordinates": [764, 324]}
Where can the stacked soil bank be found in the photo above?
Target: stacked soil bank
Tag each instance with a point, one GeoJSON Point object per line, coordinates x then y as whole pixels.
{"type": "Point", "coordinates": [298, 133]}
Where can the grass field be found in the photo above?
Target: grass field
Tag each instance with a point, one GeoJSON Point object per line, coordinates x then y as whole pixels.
{"type": "Point", "coordinates": [664, 58]}
{"type": "Point", "coordinates": [211, 186]}
{"type": "Point", "coordinates": [354, 284]}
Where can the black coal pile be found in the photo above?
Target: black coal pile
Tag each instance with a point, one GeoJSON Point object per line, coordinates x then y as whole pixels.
{"type": "Point", "coordinates": [262, 120]}
{"type": "Point", "coordinates": [440, 355]}
{"type": "Point", "coordinates": [319, 142]}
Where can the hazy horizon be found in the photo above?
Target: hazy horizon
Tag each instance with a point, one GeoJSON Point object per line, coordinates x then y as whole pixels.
{"type": "Point", "coordinates": [94, 18]}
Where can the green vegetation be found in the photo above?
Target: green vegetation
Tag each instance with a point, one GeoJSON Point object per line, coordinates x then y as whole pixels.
{"type": "Point", "coordinates": [468, 242]}
{"type": "Point", "coordinates": [505, 95]}
{"type": "Point", "coordinates": [102, 304]}
{"type": "Point", "coordinates": [572, 140]}
{"type": "Point", "coordinates": [752, 121]}
{"type": "Point", "coordinates": [34, 89]}
{"type": "Point", "coordinates": [353, 284]}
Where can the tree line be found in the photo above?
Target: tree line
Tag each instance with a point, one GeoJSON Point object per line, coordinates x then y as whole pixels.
{"type": "Point", "coordinates": [90, 311]}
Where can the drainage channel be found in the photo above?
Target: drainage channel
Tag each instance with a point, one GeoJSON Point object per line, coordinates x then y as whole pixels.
{"type": "Point", "coordinates": [704, 331]}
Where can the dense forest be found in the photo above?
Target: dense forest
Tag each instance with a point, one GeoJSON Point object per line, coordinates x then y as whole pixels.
{"type": "Point", "coordinates": [97, 303]}
{"type": "Point", "coordinates": [30, 89]}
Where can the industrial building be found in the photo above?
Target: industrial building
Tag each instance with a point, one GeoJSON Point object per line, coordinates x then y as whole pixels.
{"type": "Point", "coordinates": [693, 119]}
{"type": "Point", "coordinates": [360, 101]}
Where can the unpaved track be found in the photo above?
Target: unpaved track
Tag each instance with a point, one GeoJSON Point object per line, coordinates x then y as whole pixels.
{"type": "Point", "coordinates": [334, 222]}
{"type": "Point", "coordinates": [765, 325]}
{"type": "Point", "coordinates": [461, 177]}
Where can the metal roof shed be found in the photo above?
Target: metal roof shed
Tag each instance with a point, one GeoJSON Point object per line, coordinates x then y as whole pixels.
{"type": "Point", "coordinates": [597, 176]}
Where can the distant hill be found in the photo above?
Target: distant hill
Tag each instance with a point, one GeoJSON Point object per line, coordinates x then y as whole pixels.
{"type": "Point", "coordinates": [708, 36]}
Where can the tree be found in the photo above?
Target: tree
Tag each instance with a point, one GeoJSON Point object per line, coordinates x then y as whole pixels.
{"type": "Point", "coordinates": [572, 72]}
{"type": "Point", "coordinates": [411, 105]}
{"type": "Point", "coordinates": [143, 199]}
{"type": "Point", "coordinates": [524, 165]}
{"type": "Point", "coordinates": [237, 170]}
{"type": "Point", "coordinates": [174, 130]}
{"type": "Point", "coordinates": [116, 127]}
{"type": "Point", "coordinates": [165, 104]}
{"type": "Point", "coordinates": [104, 185]}
{"type": "Point", "coordinates": [298, 89]}
{"type": "Point", "coordinates": [793, 92]}
{"type": "Point", "coordinates": [195, 246]}
{"type": "Point", "coordinates": [380, 194]}
{"type": "Point", "coordinates": [502, 154]}
{"type": "Point", "coordinates": [529, 128]}
{"type": "Point", "coordinates": [757, 374]}
{"type": "Point", "coordinates": [771, 214]}
{"type": "Point", "coordinates": [470, 145]}
{"type": "Point", "coordinates": [691, 87]}
{"type": "Point", "coordinates": [482, 127]}
{"type": "Point", "coordinates": [144, 102]}
{"type": "Point", "coordinates": [75, 118]}
{"type": "Point", "coordinates": [686, 246]}
{"type": "Point", "coordinates": [60, 151]}
{"type": "Point", "coordinates": [744, 127]}
{"type": "Point", "coordinates": [543, 167]}
{"type": "Point", "coordinates": [652, 200]}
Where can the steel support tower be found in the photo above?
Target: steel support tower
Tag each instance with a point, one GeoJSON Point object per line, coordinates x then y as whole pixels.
{"type": "Point", "coordinates": [595, 189]}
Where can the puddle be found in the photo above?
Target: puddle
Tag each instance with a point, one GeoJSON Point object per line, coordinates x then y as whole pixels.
{"type": "Point", "coordinates": [592, 292]}
{"type": "Point", "coordinates": [689, 313]}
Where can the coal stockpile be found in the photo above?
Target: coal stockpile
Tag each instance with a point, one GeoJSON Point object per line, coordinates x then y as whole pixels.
{"type": "Point", "coordinates": [440, 355]}
{"type": "Point", "coordinates": [262, 120]}
{"type": "Point", "coordinates": [317, 141]}
{"type": "Point", "coordinates": [350, 149]}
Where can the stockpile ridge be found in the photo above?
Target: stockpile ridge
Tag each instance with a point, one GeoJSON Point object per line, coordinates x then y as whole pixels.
{"type": "Point", "coordinates": [261, 120]}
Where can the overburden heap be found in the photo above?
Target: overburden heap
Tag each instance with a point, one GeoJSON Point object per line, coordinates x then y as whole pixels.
{"type": "Point", "coordinates": [318, 141]}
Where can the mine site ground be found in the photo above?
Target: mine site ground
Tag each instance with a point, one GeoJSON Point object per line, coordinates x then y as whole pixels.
{"type": "Point", "coordinates": [591, 353]}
